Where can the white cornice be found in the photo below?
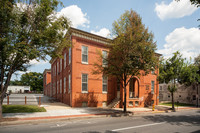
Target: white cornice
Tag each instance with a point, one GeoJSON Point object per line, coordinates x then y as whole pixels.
{"type": "Point", "coordinates": [89, 38]}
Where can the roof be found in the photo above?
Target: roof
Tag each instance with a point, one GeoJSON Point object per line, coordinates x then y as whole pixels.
{"type": "Point", "coordinates": [46, 70]}
{"type": "Point", "coordinates": [87, 35]}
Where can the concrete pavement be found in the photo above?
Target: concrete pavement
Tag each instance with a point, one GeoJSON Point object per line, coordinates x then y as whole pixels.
{"type": "Point", "coordinates": [58, 110]}
{"type": "Point", "coordinates": [187, 121]}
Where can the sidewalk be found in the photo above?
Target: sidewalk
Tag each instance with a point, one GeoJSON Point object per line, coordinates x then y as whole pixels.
{"type": "Point", "coordinates": [59, 110]}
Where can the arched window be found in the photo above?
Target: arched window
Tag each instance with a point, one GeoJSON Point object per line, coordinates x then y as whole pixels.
{"type": "Point", "coordinates": [134, 88]}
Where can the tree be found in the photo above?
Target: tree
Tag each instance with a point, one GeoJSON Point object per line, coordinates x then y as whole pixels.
{"type": "Point", "coordinates": [15, 82]}
{"type": "Point", "coordinates": [197, 63]}
{"type": "Point", "coordinates": [28, 30]}
{"type": "Point", "coordinates": [131, 53]}
{"type": "Point", "coordinates": [191, 75]}
{"type": "Point", "coordinates": [32, 79]}
{"type": "Point", "coordinates": [196, 3]}
{"type": "Point", "coordinates": [170, 72]}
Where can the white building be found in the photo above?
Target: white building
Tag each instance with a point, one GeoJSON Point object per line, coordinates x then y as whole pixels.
{"type": "Point", "coordinates": [18, 89]}
{"type": "Point", "coordinates": [184, 94]}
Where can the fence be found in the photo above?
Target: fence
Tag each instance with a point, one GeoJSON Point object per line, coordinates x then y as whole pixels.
{"type": "Point", "coordinates": [22, 100]}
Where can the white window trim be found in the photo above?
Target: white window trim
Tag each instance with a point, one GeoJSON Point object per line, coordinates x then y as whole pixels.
{"type": "Point", "coordinates": [61, 65]}
{"type": "Point", "coordinates": [152, 91]}
{"type": "Point", "coordinates": [65, 60]}
{"type": "Point", "coordinates": [104, 65]}
{"type": "Point", "coordinates": [57, 67]}
{"type": "Point", "coordinates": [60, 86]}
{"type": "Point", "coordinates": [82, 54]}
{"type": "Point", "coordinates": [55, 70]}
{"type": "Point", "coordinates": [69, 83]}
{"type": "Point", "coordinates": [82, 82]}
{"type": "Point", "coordinates": [64, 85]}
{"type": "Point", "coordinates": [103, 84]}
{"type": "Point", "coordinates": [70, 55]}
{"type": "Point", "coordinates": [57, 87]}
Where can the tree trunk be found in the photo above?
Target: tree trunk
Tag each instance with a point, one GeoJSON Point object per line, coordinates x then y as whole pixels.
{"type": "Point", "coordinates": [197, 98]}
{"type": "Point", "coordinates": [173, 90]}
{"type": "Point", "coordinates": [1, 110]}
{"type": "Point", "coordinates": [172, 93]}
{"type": "Point", "coordinates": [124, 96]}
{"type": "Point", "coordinates": [3, 90]}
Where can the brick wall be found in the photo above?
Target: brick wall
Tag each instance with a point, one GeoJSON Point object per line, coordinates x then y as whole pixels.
{"type": "Point", "coordinates": [94, 97]}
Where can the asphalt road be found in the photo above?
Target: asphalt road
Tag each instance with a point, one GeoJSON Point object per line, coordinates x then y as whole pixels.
{"type": "Point", "coordinates": [174, 122]}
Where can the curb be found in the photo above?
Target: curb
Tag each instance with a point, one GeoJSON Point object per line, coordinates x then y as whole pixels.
{"type": "Point", "coordinates": [15, 121]}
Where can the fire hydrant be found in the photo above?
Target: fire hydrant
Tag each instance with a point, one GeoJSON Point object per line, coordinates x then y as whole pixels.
{"type": "Point", "coordinates": [153, 107]}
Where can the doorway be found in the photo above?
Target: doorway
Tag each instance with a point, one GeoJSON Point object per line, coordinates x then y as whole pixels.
{"type": "Point", "coordinates": [133, 88]}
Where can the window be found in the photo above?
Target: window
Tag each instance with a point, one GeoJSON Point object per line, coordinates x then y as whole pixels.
{"type": "Point", "coordinates": [69, 55]}
{"type": "Point", "coordinates": [194, 97]}
{"type": "Point", "coordinates": [60, 65]}
{"type": "Point", "coordinates": [104, 61]}
{"type": "Point", "coordinates": [84, 104]}
{"type": "Point", "coordinates": [118, 86]}
{"type": "Point", "coordinates": [84, 54]}
{"type": "Point", "coordinates": [160, 87]}
{"type": "Point", "coordinates": [136, 103]}
{"type": "Point", "coordinates": [105, 84]}
{"type": "Point", "coordinates": [69, 83]}
{"type": "Point", "coordinates": [84, 83]}
{"type": "Point", "coordinates": [153, 72]}
{"type": "Point", "coordinates": [130, 103]}
{"type": "Point", "coordinates": [64, 84]}
{"type": "Point", "coordinates": [147, 87]}
{"type": "Point", "coordinates": [152, 86]}
{"type": "Point", "coordinates": [55, 70]}
{"type": "Point", "coordinates": [57, 86]}
{"type": "Point", "coordinates": [54, 88]}
{"type": "Point", "coordinates": [60, 86]}
{"type": "Point", "coordinates": [104, 104]}
{"type": "Point", "coordinates": [131, 88]}
{"type": "Point", "coordinates": [57, 67]}
{"type": "Point", "coordinates": [64, 60]}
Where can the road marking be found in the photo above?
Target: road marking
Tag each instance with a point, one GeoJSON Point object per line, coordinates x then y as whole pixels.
{"type": "Point", "coordinates": [138, 126]}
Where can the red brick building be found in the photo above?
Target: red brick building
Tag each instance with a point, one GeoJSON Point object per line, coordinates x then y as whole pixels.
{"type": "Point", "coordinates": [47, 82]}
{"type": "Point", "coordinates": [73, 83]}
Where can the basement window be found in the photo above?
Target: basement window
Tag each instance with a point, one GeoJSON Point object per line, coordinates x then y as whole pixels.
{"type": "Point", "coordinates": [84, 104]}
{"type": "Point", "coordinates": [136, 103]}
{"type": "Point", "coordinates": [130, 103]}
{"type": "Point", "coordinates": [104, 104]}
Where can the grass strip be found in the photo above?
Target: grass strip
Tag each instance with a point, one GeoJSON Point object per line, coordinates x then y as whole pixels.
{"type": "Point", "coordinates": [22, 109]}
{"type": "Point", "coordinates": [175, 104]}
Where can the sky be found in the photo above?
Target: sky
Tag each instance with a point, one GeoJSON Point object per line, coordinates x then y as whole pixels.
{"type": "Point", "coordinates": [174, 24]}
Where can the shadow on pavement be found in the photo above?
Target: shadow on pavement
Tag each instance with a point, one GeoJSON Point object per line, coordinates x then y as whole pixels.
{"type": "Point", "coordinates": [185, 120]}
{"type": "Point", "coordinates": [107, 111]}
{"type": "Point", "coordinates": [196, 131]}
{"type": "Point", "coordinates": [100, 132]}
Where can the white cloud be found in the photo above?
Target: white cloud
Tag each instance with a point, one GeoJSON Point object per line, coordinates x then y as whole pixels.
{"type": "Point", "coordinates": [102, 32]}
{"type": "Point", "coordinates": [184, 40]}
{"type": "Point", "coordinates": [75, 15]}
{"type": "Point", "coordinates": [174, 9]}
{"type": "Point", "coordinates": [40, 62]}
